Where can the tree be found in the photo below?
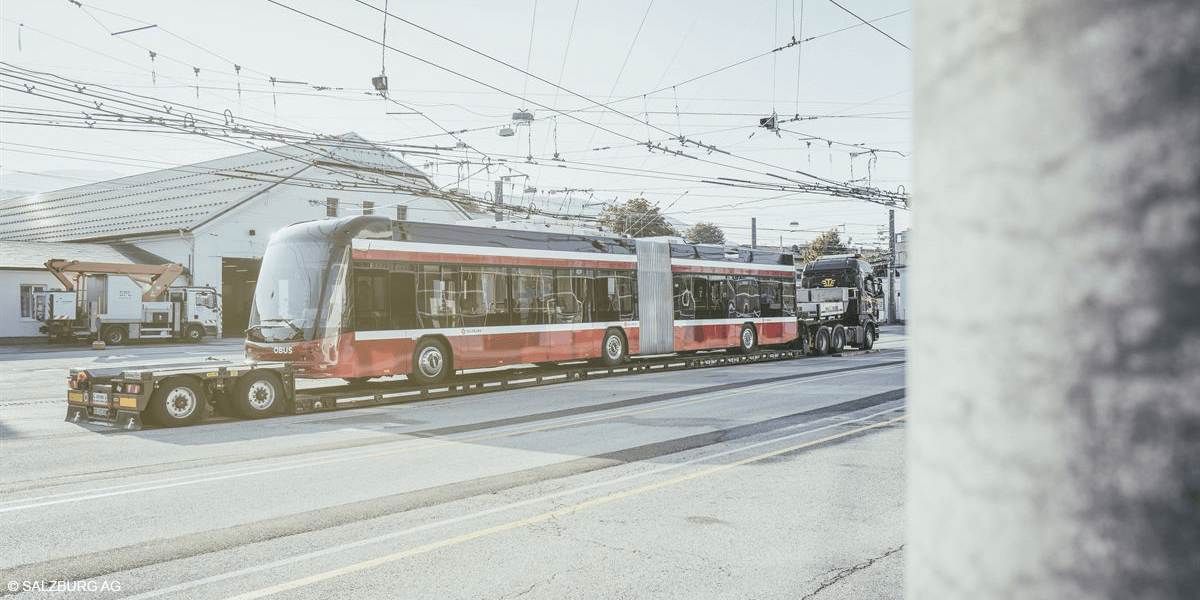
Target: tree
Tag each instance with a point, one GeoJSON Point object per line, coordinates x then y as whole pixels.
{"type": "Point", "coordinates": [826, 243]}
{"type": "Point", "coordinates": [705, 233]}
{"type": "Point", "coordinates": [635, 218]}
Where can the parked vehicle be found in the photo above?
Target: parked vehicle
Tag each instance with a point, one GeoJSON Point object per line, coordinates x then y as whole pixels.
{"type": "Point", "coordinates": [114, 302]}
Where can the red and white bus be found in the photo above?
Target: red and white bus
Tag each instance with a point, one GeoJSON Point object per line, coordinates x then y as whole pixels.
{"type": "Point", "coordinates": [364, 297]}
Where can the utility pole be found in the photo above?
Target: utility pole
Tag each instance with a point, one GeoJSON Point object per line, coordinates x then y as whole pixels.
{"type": "Point", "coordinates": [753, 233]}
{"type": "Point", "coordinates": [1052, 425]}
{"type": "Point", "coordinates": [499, 199]}
{"type": "Point", "coordinates": [891, 303]}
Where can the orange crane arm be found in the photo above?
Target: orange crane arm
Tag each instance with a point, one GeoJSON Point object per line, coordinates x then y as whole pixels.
{"type": "Point", "coordinates": [156, 277]}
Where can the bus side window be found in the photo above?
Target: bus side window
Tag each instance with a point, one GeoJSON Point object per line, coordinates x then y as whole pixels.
{"type": "Point", "coordinates": [370, 301]}
{"type": "Point", "coordinates": [403, 288]}
{"type": "Point", "coordinates": [789, 297]}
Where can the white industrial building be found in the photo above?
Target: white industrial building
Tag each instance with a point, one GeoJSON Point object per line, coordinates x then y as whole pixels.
{"type": "Point", "coordinates": [214, 218]}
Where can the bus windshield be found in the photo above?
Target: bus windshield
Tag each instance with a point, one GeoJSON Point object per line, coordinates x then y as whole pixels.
{"type": "Point", "coordinates": [300, 285]}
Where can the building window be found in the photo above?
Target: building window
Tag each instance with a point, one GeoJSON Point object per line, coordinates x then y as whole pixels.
{"type": "Point", "coordinates": [331, 207]}
{"type": "Point", "coordinates": [401, 212]}
{"type": "Point", "coordinates": [368, 207]}
{"type": "Point", "coordinates": [27, 291]}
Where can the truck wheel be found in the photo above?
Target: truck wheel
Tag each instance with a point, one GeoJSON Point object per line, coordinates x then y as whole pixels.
{"type": "Point", "coordinates": [821, 341]}
{"type": "Point", "coordinates": [868, 338]}
{"type": "Point", "coordinates": [193, 333]}
{"type": "Point", "coordinates": [178, 401]}
{"type": "Point", "coordinates": [431, 362]}
{"type": "Point", "coordinates": [113, 335]}
{"type": "Point", "coordinates": [747, 340]}
{"type": "Point", "coordinates": [257, 394]}
{"type": "Point", "coordinates": [837, 339]}
{"type": "Point", "coordinates": [612, 350]}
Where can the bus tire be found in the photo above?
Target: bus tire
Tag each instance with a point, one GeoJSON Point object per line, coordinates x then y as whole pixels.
{"type": "Point", "coordinates": [257, 394]}
{"type": "Point", "coordinates": [821, 341]}
{"type": "Point", "coordinates": [178, 401]}
{"type": "Point", "coordinates": [747, 339]}
{"type": "Point", "coordinates": [837, 339]}
{"type": "Point", "coordinates": [868, 338]}
{"type": "Point", "coordinates": [193, 334]}
{"type": "Point", "coordinates": [613, 350]}
{"type": "Point", "coordinates": [113, 335]}
{"type": "Point", "coordinates": [431, 362]}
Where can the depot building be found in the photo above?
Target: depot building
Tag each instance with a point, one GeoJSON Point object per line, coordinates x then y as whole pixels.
{"type": "Point", "coordinates": [214, 218]}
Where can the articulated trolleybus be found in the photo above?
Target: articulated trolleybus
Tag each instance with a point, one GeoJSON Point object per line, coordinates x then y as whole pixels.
{"type": "Point", "coordinates": [364, 297]}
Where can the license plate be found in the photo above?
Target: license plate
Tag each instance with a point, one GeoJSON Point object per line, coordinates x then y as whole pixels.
{"type": "Point", "coordinates": [100, 398]}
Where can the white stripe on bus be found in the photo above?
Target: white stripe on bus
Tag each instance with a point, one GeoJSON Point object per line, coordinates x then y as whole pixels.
{"type": "Point", "coordinates": [413, 334]}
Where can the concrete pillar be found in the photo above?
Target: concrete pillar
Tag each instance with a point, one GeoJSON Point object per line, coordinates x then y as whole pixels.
{"type": "Point", "coordinates": [1055, 315]}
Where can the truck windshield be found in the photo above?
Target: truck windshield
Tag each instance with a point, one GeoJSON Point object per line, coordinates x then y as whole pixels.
{"type": "Point", "coordinates": [300, 285]}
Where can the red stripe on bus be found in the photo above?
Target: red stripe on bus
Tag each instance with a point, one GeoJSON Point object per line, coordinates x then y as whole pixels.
{"type": "Point", "coordinates": [728, 271]}
{"type": "Point", "coordinates": [481, 259]}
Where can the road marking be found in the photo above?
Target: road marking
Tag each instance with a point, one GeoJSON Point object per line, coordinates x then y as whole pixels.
{"type": "Point", "coordinates": [512, 505]}
{"type": "Point", "coordinates": [93, 494]}
{"type": "Point", "coordinates": [479, 533]}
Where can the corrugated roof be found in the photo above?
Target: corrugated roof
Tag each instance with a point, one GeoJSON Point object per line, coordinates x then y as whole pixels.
{"type": "Point", "coordinates": [33, 255]}
{"type": "Point", "coordinates": [186, 197]}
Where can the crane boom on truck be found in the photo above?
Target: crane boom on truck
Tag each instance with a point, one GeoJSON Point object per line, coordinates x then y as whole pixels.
{"type": "Point", "coordinates": [156, 278]}
{"type": "Point", "coordinates": [115, 302]}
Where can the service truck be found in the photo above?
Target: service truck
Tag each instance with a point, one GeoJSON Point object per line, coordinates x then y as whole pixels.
{"type": "Point", "coordinates": [837, 302]}
{"type": "Point", "coordinates": [114, 302]}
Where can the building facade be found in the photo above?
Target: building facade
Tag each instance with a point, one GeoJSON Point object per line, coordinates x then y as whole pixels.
{"type": "Point", "coordinates": [216, 217]}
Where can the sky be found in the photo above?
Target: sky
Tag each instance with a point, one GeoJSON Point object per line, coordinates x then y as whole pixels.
{"type": "Point", "coordinates": [660, 99]}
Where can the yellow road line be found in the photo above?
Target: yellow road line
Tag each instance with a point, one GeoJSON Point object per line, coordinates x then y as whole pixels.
{"type": "Point", "coordinates": [479, 533]}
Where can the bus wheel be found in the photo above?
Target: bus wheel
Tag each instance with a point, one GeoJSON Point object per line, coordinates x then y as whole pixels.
{"type": "Point", "coordinates": [431, 362]}
{"type": "Point", "coordinates": [837, 339]}
{"type": "Point", "coordinates": [868, 338]}
{"type": "Point", "coordinates": [256, 395]}
{"type": "Point", "coordinates": [178, 401]}
{"type": "Point", "coordinates": [747, 340]}
{"type": "Point", "coordinates": [193, 333]}
{"type": "Point", "coordinates": [613, 348]}
{"type": "Point", "coordinates": [821, 341]}
{"type": "Point", "coordinates": [113, 335]}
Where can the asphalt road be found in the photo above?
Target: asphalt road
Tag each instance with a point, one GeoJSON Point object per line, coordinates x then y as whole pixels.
{"type": "Point", "coordinates": [773, 480]}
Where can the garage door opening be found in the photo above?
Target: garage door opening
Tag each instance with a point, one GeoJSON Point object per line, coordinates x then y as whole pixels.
{"type": "Point", "coordinates": [238, 276]}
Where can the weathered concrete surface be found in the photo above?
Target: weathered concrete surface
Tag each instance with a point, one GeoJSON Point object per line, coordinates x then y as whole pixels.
{"type": "Point", "coordinates": [1055, 437]}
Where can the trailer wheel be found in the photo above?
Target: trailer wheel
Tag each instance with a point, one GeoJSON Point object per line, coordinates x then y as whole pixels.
{"type": "Point", "coordinates": [747, 340]}
{"type": "Point", "coordinates": [178, 401]}
{"type": "Point", "coordinates": [113, 335]}
{"type": "Point", "coordinates": [821, 341]}
{"type": "Point", "coordinates": [257, 394]}
{"type": "Point", "coordinates": [431, 362]}
{"type": "Point", "coordinates": [193, 334]}
{"type": "Point", "coordinates": [837, 339]}
{"type": "Point", "coordinates": [868, 338]}
{"type": "Point", "coordinates": [612, 349]}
